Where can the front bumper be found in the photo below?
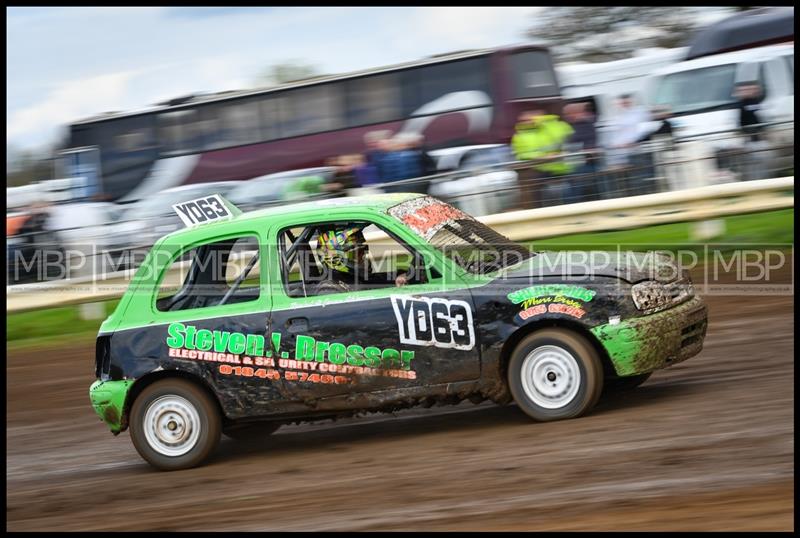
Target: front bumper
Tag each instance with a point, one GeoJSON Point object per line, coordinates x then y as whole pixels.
{"type": "Point", "coordinates": [108, 399]}
{"type": "Point", "coordinates": [641, 345]}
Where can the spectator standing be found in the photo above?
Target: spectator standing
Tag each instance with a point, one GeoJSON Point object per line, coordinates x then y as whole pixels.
{"type": "Point", "coordinates": [582, 140]}
{"type": "Point", "coordinates": [542, 136]}
{"type": "Point", "coordinates": [35, 241]}
{"type": "Point", "coordinates": [664, 158]}
{"type": "Point", "coordinates": [755, 155]}
{"type": "Point", "coordinates": [344, 178]}
{"type": "Point", "coordinates": [627, 130]}
{"type": "Point", "coordinates": [402, 160]}
{"type": "Point", "coordinates": [750, 97]}
{"type": "Point", "coordinates": [624, 155]}
{"type": "Point", "coordinates": [369, 173]}
{"type": "Point", "coordinates": [418, 163]}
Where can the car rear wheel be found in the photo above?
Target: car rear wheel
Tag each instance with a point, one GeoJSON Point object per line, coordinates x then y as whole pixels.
{"type": "Point", "coordinates": [174, 424]}
{"type": "Point", "coordinates": [555, 374]}
{"type": "Point", "coordinates": [251, 432]}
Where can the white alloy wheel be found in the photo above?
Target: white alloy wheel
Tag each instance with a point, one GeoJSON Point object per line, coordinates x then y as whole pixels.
{"type": "Point", "coordinates": [171, 425]}
{"type": "Point", "coordinates": [555, 374]}
{"type": "Point", "coordinates": [175, 424]}
{"type": "Point", "coordinates": [550, 377]}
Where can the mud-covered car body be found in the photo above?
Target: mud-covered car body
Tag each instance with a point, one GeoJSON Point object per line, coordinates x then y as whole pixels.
{"type": "Point", "coordinates": [280, 355]}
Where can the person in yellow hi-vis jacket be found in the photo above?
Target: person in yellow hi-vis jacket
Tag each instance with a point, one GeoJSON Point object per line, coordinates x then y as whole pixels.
{"type": "Point", "coordinates": [539, 135]}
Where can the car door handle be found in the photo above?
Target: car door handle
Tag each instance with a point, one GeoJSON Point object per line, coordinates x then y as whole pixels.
{"type": "Point", "coordinates": [296, 325]}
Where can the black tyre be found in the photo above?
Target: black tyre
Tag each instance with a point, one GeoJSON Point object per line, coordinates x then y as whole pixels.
{"type": "Point", "coordinates": [251, 432]}
{"type": "Point", "coordinates": [555, 374]}
{"type": "Point", "coordinates": [622, 384]}
{"type": "Point", "coordinates": [174, 424]}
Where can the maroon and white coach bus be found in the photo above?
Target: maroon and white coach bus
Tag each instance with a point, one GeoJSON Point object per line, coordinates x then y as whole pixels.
{"type": "Point", "coordinates": [471, 97]}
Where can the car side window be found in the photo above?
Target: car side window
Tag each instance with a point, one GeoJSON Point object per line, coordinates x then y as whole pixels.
{"type": "Point", "coordinates": [213, 274]}
{"type": "Point", "coordinates": [345, 257]}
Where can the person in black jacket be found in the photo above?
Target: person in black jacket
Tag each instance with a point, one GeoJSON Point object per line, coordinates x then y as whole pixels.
{"type": "Point", "coordinates": [584, 141]}
{"type": "Point", "coordinates": [750, 97]}
{"type": "Point", "coordinates": [37, 247]}
{"type": "Point", "coordinates": [662, 114]}
{"type": "Point", "coordinates": [754, 157]}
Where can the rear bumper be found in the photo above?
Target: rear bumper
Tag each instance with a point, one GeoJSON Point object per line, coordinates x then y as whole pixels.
{"type": "Point", "coordinates": [108, 400]}
{"type": "Point", "coordinates": [641, 345]}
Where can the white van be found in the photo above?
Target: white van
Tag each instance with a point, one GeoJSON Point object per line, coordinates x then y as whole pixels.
{"type": "Point", "coordinates": [602, 83]}
{"type": "Point", "coordinates": [700, 94]}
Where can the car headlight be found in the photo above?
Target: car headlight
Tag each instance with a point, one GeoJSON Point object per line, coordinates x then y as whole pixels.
{"type": "Point", "coordinates": [651, 296]}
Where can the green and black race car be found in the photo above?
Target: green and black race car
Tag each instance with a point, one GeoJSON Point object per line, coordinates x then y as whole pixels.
{"type": "Point", "coordinates": [245, 321]}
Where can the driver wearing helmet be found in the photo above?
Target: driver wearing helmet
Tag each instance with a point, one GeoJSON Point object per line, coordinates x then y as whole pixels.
{"type": "Point", "coordinates": [343, 254]}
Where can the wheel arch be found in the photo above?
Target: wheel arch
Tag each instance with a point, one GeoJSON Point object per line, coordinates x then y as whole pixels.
{"type": "Point", "coordinates": [553, 323]}
{"type": "Point", "coordinates": [151, 377]}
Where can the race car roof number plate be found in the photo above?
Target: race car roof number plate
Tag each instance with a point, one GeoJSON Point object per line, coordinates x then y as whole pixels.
{"type": "Point", "coordinates": [203, 210]}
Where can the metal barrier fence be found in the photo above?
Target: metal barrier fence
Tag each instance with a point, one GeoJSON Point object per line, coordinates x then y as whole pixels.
{"type": "Point", "coordinates": [631, 212]}
{"type": "Point", "coordinates": [658, 166]}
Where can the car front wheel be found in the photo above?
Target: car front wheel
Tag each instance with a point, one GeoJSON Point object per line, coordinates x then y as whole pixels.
{"type": "Point", "coordinates": [555, 374]}
{"type": "Point", "coordinates": [174, 424]}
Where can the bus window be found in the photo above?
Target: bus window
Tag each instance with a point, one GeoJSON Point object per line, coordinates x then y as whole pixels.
{"type": "Point", "coordinates": [210, 125]}
{"type": "Point", "coordinates": [409, 91]}
{"type": "Point", "coordinates": [132, 141]}
{"type": "Point", "coordinates": [133, 135]}
{"type": "Point", "coordinates": [373, 99]}
{"type": "Point", "coordinates": [270, 120]}
{"type": "Point", "coordinates": [312, 110]}
{"type": "Point", "coordinates": [240, 123]}
{"type": "Point", "coordinates": [180, 131]}
{"type": "Point", "coordinates": [533, 75]}
{"type": "Point", "coordinates": [435, 81]}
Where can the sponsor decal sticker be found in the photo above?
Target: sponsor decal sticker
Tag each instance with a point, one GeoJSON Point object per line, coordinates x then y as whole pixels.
{"type": "Point", "coordinates": [318, 361]}
{"type": "Point", "coordinates": [552, 298]}
{"type": "Point", "coordinates": [565, 290]}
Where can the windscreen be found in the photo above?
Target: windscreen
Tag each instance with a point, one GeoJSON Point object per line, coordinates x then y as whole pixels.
{"type": "Point", "coordinates": [697, 90]}
{"type": "Point", "coordinates": [472, 245]}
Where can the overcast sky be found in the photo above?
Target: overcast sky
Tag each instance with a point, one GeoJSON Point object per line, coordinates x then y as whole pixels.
{"type": "Point", "coordinates": [65, 64]}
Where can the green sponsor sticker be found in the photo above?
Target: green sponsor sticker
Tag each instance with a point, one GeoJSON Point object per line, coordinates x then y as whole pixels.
{"type": "Point", "coordinates": [544, 290]}
{"type": "Point", "coordinates": [307, 348]}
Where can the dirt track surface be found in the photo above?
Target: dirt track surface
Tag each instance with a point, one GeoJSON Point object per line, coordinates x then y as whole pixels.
{"type": "Point", "coordinates": [707, 444]}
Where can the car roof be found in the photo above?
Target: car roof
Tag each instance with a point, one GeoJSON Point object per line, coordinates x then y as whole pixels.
{"type": "Point", "coordinates": [744, 29]}
{"type": "Point", "coordinates": [377, 203]}
{"type": "Point", "coordinates": [739, 56]}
